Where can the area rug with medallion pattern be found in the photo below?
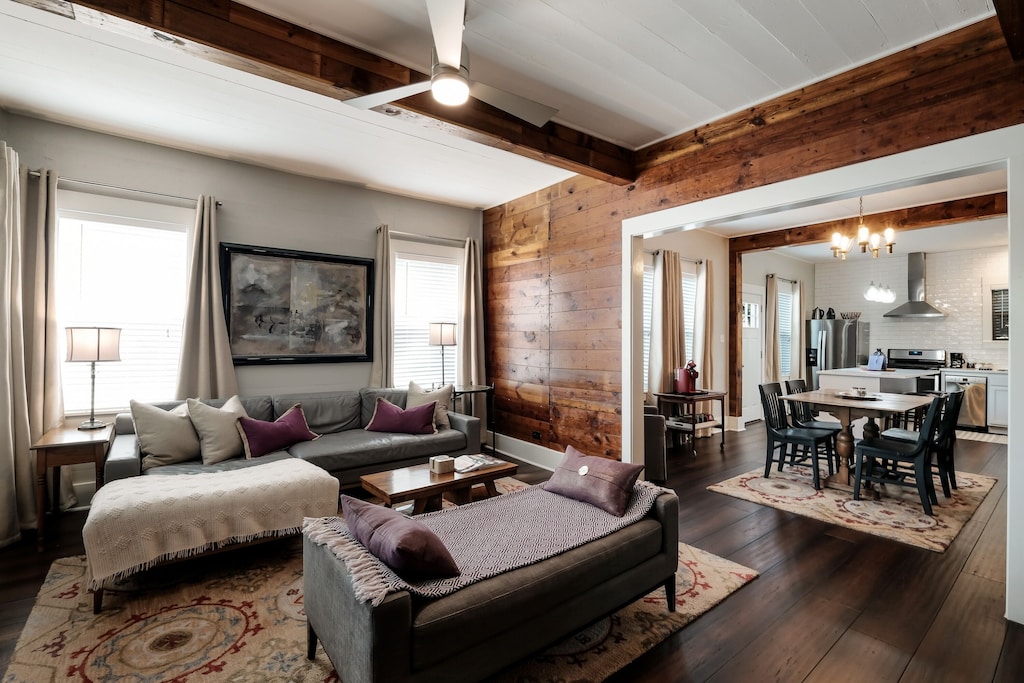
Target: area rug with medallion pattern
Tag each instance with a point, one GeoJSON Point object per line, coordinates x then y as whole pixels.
{"type": "Point", "coordinates": [242, 619]}
{"type": "Point", "coordinates": [896, 515]}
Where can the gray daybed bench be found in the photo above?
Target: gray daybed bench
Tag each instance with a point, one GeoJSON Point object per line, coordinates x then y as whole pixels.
{"type": "Point", "coordinates": [485, 626]}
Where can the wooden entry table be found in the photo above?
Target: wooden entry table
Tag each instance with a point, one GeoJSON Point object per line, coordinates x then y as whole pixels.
{"type": "Point", "coordinates": [847, 409]}
{"type": "Point", "coordinates": [426, 488]}
{"type": "Point", "coordinates": [66, 446]}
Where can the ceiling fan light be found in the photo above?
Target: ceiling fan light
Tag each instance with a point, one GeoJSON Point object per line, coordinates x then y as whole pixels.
{"type": "Point", "coordinates": [449, 87]}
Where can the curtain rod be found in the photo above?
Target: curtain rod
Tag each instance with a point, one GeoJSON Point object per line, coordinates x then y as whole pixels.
{"type": "Point", "coordinates": [784, 279]}
{"type": "Point", "coordinates": [681, 257]}
{"type": "Point", "coordinates": [429, 239]}
{"type": "Point", "coordinates": [75, 181]}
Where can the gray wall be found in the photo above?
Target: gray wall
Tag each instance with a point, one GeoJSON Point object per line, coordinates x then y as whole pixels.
{"type": "Point", "coordinates": [260, 207]}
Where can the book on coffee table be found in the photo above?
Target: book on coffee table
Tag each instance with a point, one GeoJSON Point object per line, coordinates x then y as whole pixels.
{"type": "Point", "coordinates": [472, 463]}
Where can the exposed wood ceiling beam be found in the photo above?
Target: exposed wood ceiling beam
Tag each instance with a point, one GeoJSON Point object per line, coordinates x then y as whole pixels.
{"type": "Point", "coordinates": [1011, 19]}
{"type": "Point", "coordinates": [927, 216]}
{"type": "Point", "coordinates": [234, 35]}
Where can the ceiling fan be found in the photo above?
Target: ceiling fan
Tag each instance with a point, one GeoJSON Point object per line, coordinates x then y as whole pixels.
{"type": "Point", "coordinates": [449, 73]}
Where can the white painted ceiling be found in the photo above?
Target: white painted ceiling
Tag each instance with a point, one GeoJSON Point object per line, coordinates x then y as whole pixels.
{"type": "Point", "coordinates": [630, 72]}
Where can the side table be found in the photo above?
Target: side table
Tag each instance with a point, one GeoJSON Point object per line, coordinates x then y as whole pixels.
{"type": "Point", "coordinates": [66, 446]}
{"type": "Point", "coordinates": [680, 414]}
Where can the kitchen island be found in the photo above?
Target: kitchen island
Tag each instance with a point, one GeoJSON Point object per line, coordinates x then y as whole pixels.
{"type": "Point", "coordinates": [887, 381]}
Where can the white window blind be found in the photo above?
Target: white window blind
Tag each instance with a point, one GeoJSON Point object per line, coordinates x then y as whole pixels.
{"type": "Point", "coordinates": [426, 291]}
{"type": "Point", "coordinates": [785, 328]}
{"type": "Point", "coordinates": [1000, 314]}
{"type": "Point", "coordinates": [648, 305]}
{"type": "Point", "coordinates": [689, 312]}
{"type": "Point", "coordinates": [128, 272]}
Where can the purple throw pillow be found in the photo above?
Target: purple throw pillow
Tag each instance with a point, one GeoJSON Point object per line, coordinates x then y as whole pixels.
{"type": "Point", "coordinates": [260, 437]}
{"type": "Point", "coordinates": [400, 542]}
{"type": "Point", "coordinates": [387, 417]}
{"type": "Point", "coordinates": [607, 484]}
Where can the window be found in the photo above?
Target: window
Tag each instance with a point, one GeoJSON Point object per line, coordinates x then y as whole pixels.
{"type": "Point", "coordinates": [122, 263]}
{"type": "Point", "coordinates": [785, 330]}
{"type": "Point", "coordinates": [1000, 314]}
{"type": "Point", "coordinates": [427, 285]}
{"type": "Point", "coordinates": [689, 312]}
{"type": "Point", "coordinates": [751, 315]}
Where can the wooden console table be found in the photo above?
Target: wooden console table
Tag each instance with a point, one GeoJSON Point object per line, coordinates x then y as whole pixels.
{"type": "Point", "coordinates": [66, 446]}
{"type": "Point", "coordinates": [680, 414]}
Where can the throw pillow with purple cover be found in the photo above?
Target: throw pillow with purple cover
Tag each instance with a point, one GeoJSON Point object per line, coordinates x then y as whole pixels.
{"type": "Point", "coordinates": [387, 417]}
{"type": "Point", "coordinates": [400, 542]}
{"type": "Point", "coordinates": [604, 483]}
{"type": "Point", "coordinates": [260, 437]}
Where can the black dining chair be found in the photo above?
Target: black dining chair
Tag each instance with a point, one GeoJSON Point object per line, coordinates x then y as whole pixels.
{"type": "Point", "coordinates": [886, 461]}
{"type": "Point", "coordinates": [783, 437]}
{"type": "Point", "coordinates": [944, 443]}
{"type": "Point", "coordinates": [803, 416]}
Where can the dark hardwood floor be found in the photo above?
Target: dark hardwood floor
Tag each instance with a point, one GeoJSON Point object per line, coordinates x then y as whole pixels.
{"type": "Point", "coordinates": [830, 605]}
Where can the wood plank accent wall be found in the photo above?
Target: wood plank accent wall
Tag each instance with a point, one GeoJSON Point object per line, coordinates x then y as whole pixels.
{"type": "Point", "coordinates": [553, 258]}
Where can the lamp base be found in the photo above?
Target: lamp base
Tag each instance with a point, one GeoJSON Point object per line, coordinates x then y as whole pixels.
{"type": "Point", "coordinates": [92, 424]}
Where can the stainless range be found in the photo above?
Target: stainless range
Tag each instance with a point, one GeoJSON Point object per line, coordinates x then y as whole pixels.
{"type": "Point", "coordinates": [920, 359]}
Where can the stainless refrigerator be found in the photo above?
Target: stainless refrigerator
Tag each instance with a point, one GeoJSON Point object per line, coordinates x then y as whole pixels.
{"type": "Point", "coordinates": [834, 344]}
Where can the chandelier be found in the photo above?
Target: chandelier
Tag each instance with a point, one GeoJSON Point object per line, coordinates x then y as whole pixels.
{"type": "Point", "coordinates": [866, 239]}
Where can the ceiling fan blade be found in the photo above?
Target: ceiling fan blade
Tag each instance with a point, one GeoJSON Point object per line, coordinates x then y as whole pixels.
{"type": "Point", "coordinates": [384, 96]}
{"type": "Point", "coordinates": [447, 20]}
{"type": "Point", "coordinates": [532, 112]}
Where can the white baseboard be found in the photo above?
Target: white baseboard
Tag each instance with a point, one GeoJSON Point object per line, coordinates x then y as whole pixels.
{"type": "Point", "coordinates": [531, 453]}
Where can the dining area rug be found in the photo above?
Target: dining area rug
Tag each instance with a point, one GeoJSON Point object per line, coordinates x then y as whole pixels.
{"type": "Point", "coordinates": [244, 621]}
{"type": "Point", "coordinates": [896, 515]}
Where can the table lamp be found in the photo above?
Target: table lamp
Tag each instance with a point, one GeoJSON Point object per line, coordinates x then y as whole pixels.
{"type": "Point", "coordinates": [442, 334]}
{"type": "Point", "coordinates": [92, 345]}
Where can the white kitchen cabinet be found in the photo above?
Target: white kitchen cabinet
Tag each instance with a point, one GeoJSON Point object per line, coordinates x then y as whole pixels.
{"type": "Point", "coordinates": [998, 400]}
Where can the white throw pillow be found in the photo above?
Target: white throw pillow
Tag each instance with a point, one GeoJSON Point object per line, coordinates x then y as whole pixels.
{"type": "Point", "coordinates": [165, 436]}
{"type": "Point", "coordinates": [219, 439]}
{"type": "Point", "coordinates": [419, 396]}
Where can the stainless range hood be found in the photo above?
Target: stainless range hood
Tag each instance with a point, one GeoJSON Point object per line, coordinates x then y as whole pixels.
{"type": "Point", "coordinates": [917, 307]}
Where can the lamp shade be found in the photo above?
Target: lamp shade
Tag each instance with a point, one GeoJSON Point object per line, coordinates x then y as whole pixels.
{"type": "Point", "coordinates": [93, 344]}
{"type": "Point", "coordinates": [442, 334]}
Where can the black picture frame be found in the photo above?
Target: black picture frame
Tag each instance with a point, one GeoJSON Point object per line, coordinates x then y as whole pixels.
{"type": "Point", "coordinates": [288, 306]}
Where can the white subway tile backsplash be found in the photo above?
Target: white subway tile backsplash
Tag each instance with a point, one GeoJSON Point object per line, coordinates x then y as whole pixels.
{"type": "Point", "coordinates": [954, 283]}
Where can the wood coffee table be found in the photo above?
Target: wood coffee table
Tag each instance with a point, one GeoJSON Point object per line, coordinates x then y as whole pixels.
{"type": "Point", "coordinates": [426, 488]}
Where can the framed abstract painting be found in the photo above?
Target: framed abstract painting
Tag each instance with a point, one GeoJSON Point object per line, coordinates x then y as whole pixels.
{"type": "Point", "coordinates": [286, 306]}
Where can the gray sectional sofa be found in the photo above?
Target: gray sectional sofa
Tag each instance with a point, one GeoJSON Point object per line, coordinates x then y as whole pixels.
{"type": "Point", "coordinates": [345, 448]}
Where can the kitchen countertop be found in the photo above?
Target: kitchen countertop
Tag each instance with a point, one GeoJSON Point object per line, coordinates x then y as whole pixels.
{"type": "Point", "coordinates": [862, 371]}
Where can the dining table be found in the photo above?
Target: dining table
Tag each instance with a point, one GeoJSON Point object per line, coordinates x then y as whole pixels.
{"type": "Point", "coordinates": [848, 406]}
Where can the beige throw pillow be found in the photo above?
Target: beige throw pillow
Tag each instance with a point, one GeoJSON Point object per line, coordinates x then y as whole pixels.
{"type": "Point", "coordinates": [219, 439]}
{"type": "Point", "coordinates": [165, 436]}
{"type": "Point", "coordinates": [419, 396]}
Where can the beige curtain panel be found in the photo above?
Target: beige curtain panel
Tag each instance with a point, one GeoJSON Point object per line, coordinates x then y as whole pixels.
{"type": "Point", "coordinates": [704, 326]}
{"type": "Point", "coordinates": [381, 372]}
{"type": "Point", "coordinates": [205, 369]}
{"type": "Point", "coordinates": [472, 367]}
{"type": "Point", "coordinates": [666, 322]}
{"type": "Point", "coordinates": [771, 329]}
{"type": "Point", "coordinates": [31, 401]}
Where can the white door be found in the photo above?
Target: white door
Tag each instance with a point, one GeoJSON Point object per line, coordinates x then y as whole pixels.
{"type": "Point", "coordinates": [753, 351]}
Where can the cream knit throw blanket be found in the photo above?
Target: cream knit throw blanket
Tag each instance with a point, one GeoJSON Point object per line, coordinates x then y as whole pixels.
{"type": "Point", "coordinates": [137, 522]}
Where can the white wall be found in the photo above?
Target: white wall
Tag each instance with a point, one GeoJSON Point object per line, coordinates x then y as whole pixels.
{"type": "Point", "coordinates": [757, 265]}
{"type": "Point", "coordinates": [953, 283]}
{"type": "Point", "coordinates": [260, 207]}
